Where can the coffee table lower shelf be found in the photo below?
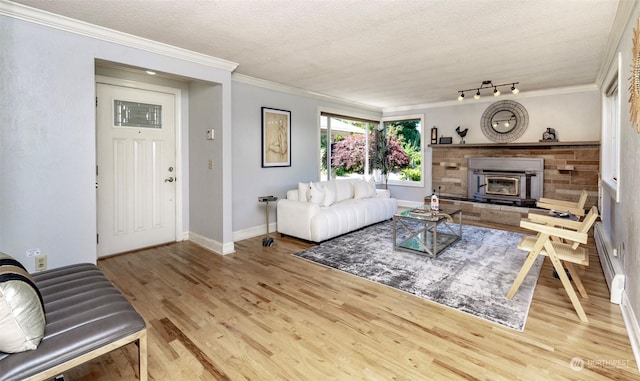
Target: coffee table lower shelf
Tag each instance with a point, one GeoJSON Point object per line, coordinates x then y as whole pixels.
{"type": "Point", "coordinates": [421, 235]}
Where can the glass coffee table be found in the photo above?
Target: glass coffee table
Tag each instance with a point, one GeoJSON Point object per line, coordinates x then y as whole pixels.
{"type": "Point", "coordinates": [416, 230]}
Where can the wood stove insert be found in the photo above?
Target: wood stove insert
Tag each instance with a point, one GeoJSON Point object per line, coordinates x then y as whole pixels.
{"type": "Point", "coordinates": [512, 181]}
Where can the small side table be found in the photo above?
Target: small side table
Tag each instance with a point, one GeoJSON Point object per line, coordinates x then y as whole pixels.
{"type": "Point", "coordinates": [267, 241]}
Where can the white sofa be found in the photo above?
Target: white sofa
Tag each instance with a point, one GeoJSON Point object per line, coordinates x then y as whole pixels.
{"type": "Point", "coordinates": [322, 210]}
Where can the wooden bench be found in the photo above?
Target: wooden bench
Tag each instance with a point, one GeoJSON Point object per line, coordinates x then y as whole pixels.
{"type": "Point", "coordinates": [86, 317]}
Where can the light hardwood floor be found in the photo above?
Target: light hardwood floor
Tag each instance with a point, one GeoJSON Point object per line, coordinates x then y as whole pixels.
{"type": "Point", "coordinates": [262, 314]}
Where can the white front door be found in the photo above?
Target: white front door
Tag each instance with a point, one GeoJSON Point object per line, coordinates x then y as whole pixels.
{"type": "Point", "coordinates": [136, 176]}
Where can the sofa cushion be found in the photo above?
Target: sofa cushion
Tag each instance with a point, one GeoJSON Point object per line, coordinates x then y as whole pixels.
{"type": "Point", "coordinates": [344, 190]}
{"type": "Point", "coordinates": [303, 192]}
{"type": "Point", "coordinates": [361, 190]}
{"type": "Point", "coordinates": [329, 195]}
{"type": "Point", "coordinates": [316, 193]}
{"type": "Point", "coordinates": [371, 184]}
{"type": "Point", "coordinates": [22, 318]}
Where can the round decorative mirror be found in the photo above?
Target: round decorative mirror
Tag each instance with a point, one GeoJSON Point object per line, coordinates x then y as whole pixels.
{"type": "Point", "coordinates": [504, 121]}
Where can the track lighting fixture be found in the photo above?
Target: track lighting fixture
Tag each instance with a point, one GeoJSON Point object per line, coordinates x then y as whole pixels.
{"type": "Point", "coordinates": [487, 85]}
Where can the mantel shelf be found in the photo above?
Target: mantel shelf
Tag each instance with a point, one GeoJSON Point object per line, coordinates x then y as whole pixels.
{"type": "Point", "coordinates": [517, 145]}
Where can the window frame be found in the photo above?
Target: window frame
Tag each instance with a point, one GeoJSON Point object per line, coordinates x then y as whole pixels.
{"type": "Point", "coordinates": [611, 130]}
{"type": "Point", "coordinates": [347, 116]}
{"type": "Point", "coordinates": [399, 118]}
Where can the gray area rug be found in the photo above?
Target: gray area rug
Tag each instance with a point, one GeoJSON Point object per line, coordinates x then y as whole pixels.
{"type": "Point", "coordinates": [473, 275]}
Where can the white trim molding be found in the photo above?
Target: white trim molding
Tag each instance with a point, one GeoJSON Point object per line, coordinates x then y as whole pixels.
{"type": "Point", "coordinates": [242, 78]}
{"type": "Point", "coordinates": [37, 16]}
{"type": "Point", "coordinates": [212, 245]}
{"type": "Point", "coordinates": [254, 231]}
{"type": "Point", "coordinates": [623, 15]}
{"type": "Point", "coordinates": [633, 327]}
{"type": "Point", "coordinates": [522, 94]}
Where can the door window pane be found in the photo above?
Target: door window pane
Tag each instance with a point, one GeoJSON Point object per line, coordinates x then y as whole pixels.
{"type": "Point", "coordinates": [132, 114]}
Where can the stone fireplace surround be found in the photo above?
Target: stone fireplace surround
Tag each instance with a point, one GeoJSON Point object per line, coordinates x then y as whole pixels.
{"type": "Point", "coordinates": [569, 167]}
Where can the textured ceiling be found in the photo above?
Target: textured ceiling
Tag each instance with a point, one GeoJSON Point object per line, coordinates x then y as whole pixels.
{"type": "Point", "coordinates": [380, 53]}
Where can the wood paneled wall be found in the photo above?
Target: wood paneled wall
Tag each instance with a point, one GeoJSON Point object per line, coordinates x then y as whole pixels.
{"type": "Point", "coordinates": [568, 168]}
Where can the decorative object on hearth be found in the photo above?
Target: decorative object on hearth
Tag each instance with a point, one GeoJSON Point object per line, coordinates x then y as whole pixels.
{"type": "Point", "coordinates": [461, 133]}
{"type": "Point", "coordinates": [488, 85]}
{"type": "Point", "coordinates": [634, 87]}
{"type": "Point", "coordinates": [434, 135]}
{"type": "Point", "coordinates": [504, 121]}
{"type": "Point", "coordinates": [472, 275]}
{"type": "Point", "coordinates": [549, 135]}
{"type": "Point", "coordinates": [446, 140]}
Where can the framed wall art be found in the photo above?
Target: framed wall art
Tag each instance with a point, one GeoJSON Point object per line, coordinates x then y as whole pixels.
{"type": "Point", "coordinates": [276, 138]}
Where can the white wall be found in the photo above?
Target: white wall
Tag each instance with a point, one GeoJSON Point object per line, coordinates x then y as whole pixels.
{"type": "Point", "coordinates": [621, 219]}
{"type": "Point", "coordinates": [47, 137]}
{"type": "Point", "coordinates": [575, 115]}
{"type": "Point", "coordinates": [250, 180]}
{"type": "Point", "coordinates": [205, 191]}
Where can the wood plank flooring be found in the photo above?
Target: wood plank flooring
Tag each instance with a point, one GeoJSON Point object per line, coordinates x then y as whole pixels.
{"type": "Point", "coordinates": [262, 314]}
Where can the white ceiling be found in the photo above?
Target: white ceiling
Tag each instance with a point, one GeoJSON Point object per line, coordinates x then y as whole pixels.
{"type": "Point", "coordinates": [381, 53]}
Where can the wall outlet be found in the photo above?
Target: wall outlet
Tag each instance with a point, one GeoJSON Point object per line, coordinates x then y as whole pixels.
{"type": "Point", "coordinates": [210, 164]}
{"type": "Point", "coordinates": [41, 262]}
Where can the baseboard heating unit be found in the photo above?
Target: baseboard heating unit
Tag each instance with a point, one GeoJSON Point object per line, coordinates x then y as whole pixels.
{"type": "Point", "coordinates": [610, 262]}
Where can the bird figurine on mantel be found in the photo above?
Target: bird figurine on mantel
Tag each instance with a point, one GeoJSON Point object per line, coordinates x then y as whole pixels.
{"type": "Point", "coordinates": [461, 133]}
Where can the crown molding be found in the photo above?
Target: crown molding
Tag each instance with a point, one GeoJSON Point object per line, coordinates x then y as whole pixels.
{"type": "Point", "coordinates": [491, 99]}
{"type": "Point", "coordinates": [242, 78]}
{"type": "Point", "coordinates": [37, 16]}
{"type": "Point", "coordinates": [623, 15]}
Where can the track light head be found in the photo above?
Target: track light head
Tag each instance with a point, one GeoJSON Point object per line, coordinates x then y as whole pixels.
{"type": "Point", "coordinates": [487, 85]}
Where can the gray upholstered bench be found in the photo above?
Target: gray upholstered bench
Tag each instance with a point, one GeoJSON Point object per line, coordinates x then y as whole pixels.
{"type": "Point", "coordinates": [86, 316]}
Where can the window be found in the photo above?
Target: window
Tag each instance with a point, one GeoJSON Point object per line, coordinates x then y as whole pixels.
{"type": "Point", "coordinates": [611, 136]}
{"type": "Point", "coordinates": [345, 144]}
{"type": "Point", "coordinates": [405, 150]}
{"type": "Point", "coordinates": [133, 114]}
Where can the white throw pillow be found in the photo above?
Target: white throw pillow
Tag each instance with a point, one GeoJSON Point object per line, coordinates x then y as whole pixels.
{"type": "Point", "coordinates": [371, 184]}
{"type": "Point", "coordinates": [329, 196]}
{"type": "Point", "coordinates": [303, 192]}
{"type": "Point", "coordinates": [316, 193]}
{"type": "Point", "coordinates": [361, 190]}
{"type": "Point", "coordinates": [344, 191]}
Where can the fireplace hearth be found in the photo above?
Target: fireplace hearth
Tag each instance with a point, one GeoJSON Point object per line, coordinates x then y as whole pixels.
{"type": "Point", "coordinates": [509, 181]}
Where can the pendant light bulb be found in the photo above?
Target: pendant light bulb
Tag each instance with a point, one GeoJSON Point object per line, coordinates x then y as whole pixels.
{"type": "Point", "coordinates": [477, 95]}
{"type": "Point", "coordinates": [461, 96]}
{"type": "Point", "coordinates": [496, 92]}
{"type": "Point", "coordinates": [514, 90]}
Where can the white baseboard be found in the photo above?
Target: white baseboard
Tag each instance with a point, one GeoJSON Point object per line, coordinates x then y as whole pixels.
{"type": "Point", "coordinates": [254, 231]}
{"type": "Point", "coordinates": [633, 328]}
{"type": "Point", "coordinates": [409, 204]}
{"type": "Point", "coordinates": [212, 245]}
